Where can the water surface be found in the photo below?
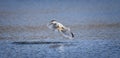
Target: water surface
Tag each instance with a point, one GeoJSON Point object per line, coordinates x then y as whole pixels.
{"type": "Point", "coordinates": [24, 34]}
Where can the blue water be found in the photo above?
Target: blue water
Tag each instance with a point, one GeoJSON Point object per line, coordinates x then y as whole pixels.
{"type": "Point", "coordinates": [62, 49]}
{"type": "Point", "coordinates": [35, 13]}
{"type": "Point", "coordinates": [24, 34]}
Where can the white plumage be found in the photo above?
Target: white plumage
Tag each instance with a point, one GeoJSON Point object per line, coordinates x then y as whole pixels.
{"type": "Point", "coordinates": [64, 31]}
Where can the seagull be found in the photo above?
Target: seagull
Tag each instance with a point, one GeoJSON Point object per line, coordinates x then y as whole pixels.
{"type": "Point", "coordinates": [63, 30]}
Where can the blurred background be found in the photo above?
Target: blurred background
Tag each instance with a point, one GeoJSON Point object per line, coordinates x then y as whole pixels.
{"type": "Point", "coordinates": [22, 19]}
{"type": "Point", "coordinates": [95, 24]}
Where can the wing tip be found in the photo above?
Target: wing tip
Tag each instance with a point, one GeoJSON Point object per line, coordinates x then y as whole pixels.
{"type": "Point", "coordinates": [72, 35]}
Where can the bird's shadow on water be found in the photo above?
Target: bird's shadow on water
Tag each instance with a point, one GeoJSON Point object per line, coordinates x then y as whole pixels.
{"type": "Point", "coordinates": [37, 42]}
{"type": "Point", "coordinates": [52, 44]}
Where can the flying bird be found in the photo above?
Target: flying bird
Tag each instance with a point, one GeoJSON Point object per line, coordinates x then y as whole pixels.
{"type": "Point", "coordinates": [63, 30]}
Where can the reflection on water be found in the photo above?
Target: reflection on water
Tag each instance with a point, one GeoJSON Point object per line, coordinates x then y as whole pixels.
{"type": "Point", "coordinates": [75, 49]}
{"type": "Point", "coordinates": [96, 29]}
{"type": "Point", "coordinates": [36, 42]}
{"type": "Point", "coordinates": [61, 50]}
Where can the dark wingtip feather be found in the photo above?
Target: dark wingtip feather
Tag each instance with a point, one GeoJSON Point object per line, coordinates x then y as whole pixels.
{"type": "Point", "coordinates": [72, 34]}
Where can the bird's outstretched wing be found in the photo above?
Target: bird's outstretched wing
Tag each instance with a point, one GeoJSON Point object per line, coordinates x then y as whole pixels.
{"type": "Point", "coordinates": [51, 26]}
{"type": "Point", "coordinates": [67, 33]}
